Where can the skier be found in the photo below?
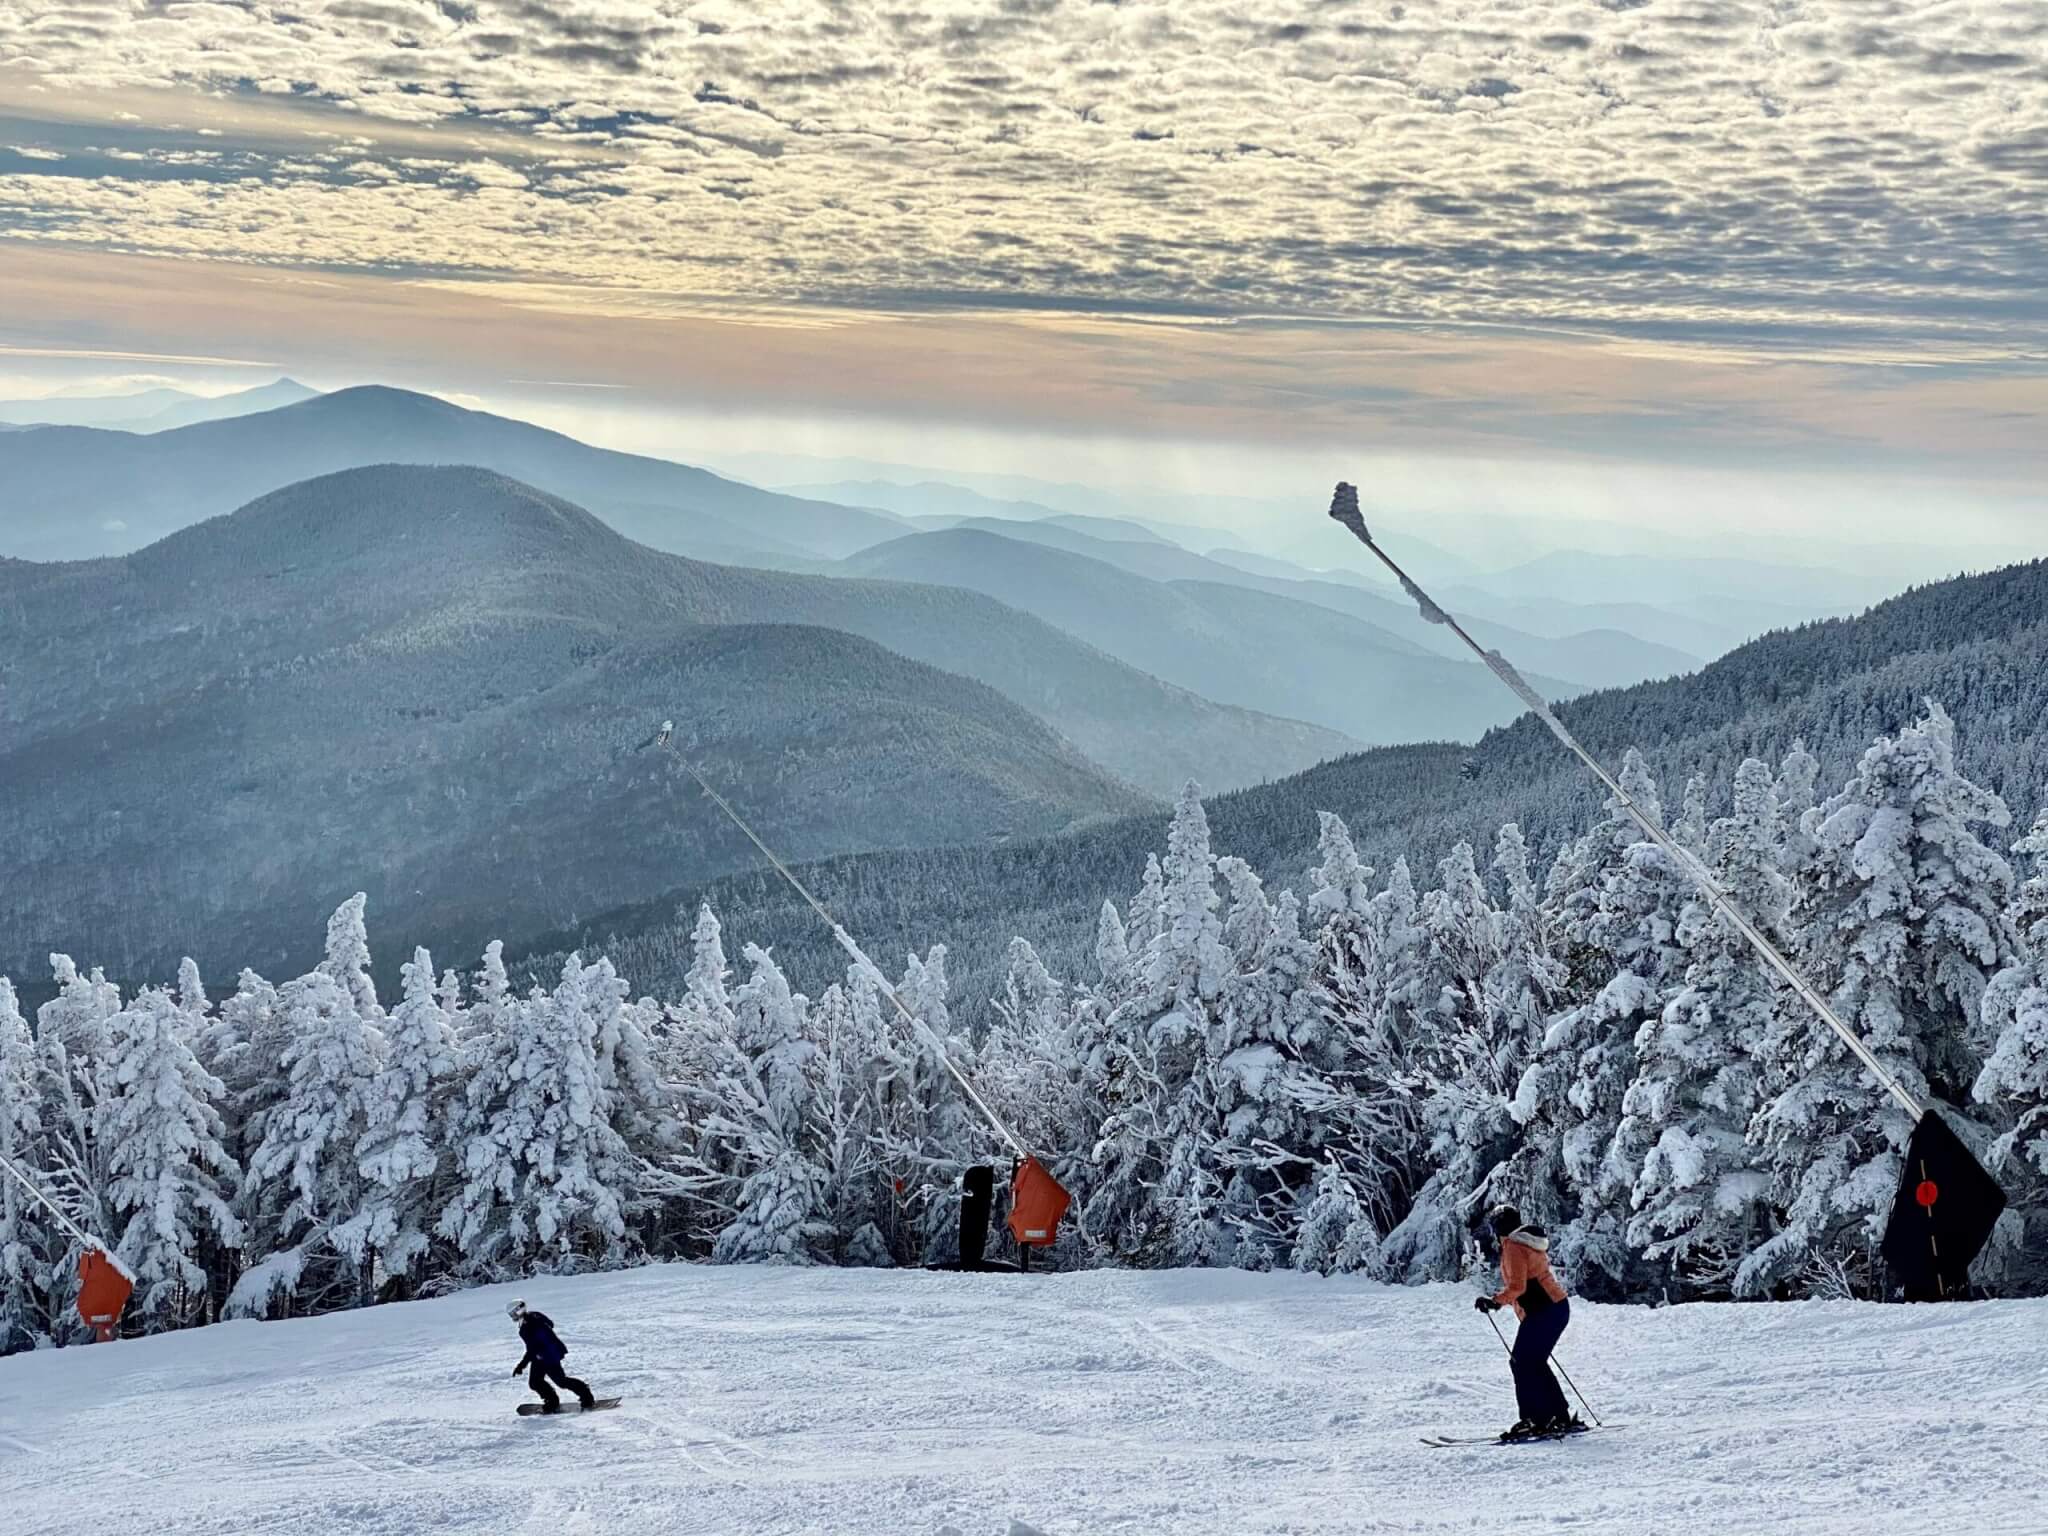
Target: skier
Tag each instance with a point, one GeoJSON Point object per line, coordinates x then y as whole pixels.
{"type": "Point", "coordinates": [545, 1352]}
{"type": "Point", "coordinates": [1530, 1286]}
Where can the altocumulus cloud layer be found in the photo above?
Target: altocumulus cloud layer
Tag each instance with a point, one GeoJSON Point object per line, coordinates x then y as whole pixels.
{"type": "Point", "coordinates": [1850, 171]}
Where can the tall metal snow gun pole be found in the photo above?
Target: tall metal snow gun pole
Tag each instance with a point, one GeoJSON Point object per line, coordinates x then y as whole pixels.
{"type": "Point", "coordinates": [664, 740]}
{"type": "Point", "coordinates": [1037, 1201]}
{"type": "Point", "coordinates": [1344, 508]}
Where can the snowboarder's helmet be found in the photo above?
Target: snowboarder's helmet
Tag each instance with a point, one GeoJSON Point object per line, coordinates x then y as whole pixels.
{"type": "Point", "coordinates": [516, 1311]}
{"type": "Point", "coordinates": [1505, 1219]}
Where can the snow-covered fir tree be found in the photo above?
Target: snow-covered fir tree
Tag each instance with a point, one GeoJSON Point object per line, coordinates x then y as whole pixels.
{"type": "Point", "coordinates": [1336, 1235]}
{"type": "Point", "coordinates": [348, 957]}
{"type": "Point", "coordinates": [23, 1308]}
{"type": "Point", "coordinates": [765, 1093]}
{"type": "Point", "coordinates": [75, 1037]}
{"type": "Point", "coordinates": [305, 1186]}
{"type": "Point", "coordinates": [1158, 1191]}
{"type": "Point", "coordinates": [169, 1176]}
{"type": "Point", "coordinates": [1903, 921]}
{"type": "Point", "coordinates": [1700, 1201]}
{"type": "Point", "coordinates": [2014, 1081]}
{"type": "Point", "coordinates": [1620, 899]}
{"type": "Point", "coordinates": [402, 1153]}
{"type": "Point", "coordinates": [544, 1179]}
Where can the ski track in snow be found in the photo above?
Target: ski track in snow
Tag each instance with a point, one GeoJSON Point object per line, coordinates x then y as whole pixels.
{"type": "Point", "coordinates": [826, 1401]}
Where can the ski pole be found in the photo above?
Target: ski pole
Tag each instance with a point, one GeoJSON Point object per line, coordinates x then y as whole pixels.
{"type": "Point", "coordinates": [1567, 1375]}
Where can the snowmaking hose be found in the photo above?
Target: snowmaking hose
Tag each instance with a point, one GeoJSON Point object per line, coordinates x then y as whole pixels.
{"type": "Point", "coordinates": [1344, 508]}
{"type": "Point", "coordinates": [860, 958]}
{"type": "Point", "coordinates": [1567, 1375]}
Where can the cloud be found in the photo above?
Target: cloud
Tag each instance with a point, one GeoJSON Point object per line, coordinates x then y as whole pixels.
{"type": "Point", "coordinates": [1825, 174]}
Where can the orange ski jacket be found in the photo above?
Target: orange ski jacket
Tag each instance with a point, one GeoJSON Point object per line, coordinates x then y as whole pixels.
{"type": "Point", "coordinates": [1527, 1281]}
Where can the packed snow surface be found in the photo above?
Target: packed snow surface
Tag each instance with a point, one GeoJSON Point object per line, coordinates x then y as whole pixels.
{"type": "Point", "coordinates": [778, 1400]}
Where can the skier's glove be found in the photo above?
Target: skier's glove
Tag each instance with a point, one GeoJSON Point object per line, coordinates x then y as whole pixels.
{"type": "Point", "coordinates": [1485, 1304]}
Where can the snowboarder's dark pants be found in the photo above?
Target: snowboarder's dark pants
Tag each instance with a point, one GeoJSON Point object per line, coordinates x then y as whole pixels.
{"type": "Point", "coordinates": [538, 1378]}
{"type": "Point", "coordinates": [1536, 1391]}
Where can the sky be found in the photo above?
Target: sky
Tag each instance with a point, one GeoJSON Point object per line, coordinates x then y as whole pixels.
{"type": "Point", "coordinates": [1683, 243]}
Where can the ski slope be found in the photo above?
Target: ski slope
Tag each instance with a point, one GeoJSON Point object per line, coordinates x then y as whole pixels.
{"type": "Point", "coordinates": [762, 1400]}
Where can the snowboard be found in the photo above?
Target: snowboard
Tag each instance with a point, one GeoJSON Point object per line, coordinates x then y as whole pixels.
{"type": "Point", "coordinates": [1446, 1442]}
{"type": "Point", "coordinates": [569, 1410]}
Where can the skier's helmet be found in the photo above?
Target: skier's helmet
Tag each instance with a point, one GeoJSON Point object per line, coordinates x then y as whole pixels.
{"type": "Point", "coordinates": [516, 1311]}
{"type": "Point", "coordinates": [1505, 1219]}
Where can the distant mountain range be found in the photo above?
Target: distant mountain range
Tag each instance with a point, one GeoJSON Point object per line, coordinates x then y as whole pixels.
{"type": "Point", "coordinates": [1597, 657]}
{"type": "Point", "coordinates": [431, 684]}
{"type": "Point", "coordinates": [1235, 644]}
{"type": "Point", "coordinates": [152, 410]}
{"type": "Point", "coordinates": [1978, 645]}
{"type": "Point", "coordinates": [70, 493]}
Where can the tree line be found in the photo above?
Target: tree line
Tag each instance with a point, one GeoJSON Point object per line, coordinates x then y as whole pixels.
{"type": "Point", "coordinates": [1335, 1082]}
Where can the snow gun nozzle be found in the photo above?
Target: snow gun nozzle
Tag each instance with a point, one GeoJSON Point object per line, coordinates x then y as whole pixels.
{"type": "Point", "coordinates": [1344, 508]}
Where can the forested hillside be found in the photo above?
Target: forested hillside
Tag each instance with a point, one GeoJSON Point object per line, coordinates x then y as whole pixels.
{"type": "Point", "coordinates": [1978, 644]}
{"type": "Point", "coordinates": [432, 683]}
{"type": "Point", "coordinates": [1228, 643]}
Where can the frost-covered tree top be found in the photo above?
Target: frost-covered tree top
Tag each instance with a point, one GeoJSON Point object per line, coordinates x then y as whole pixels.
{"type": "Point", "coordinates": [348, 955]}
{"type": "Point", "coordinates": [191, 990]}
{"type": "Point", "coordinates": [708, 969]}
{"type": "Point", "coordinates": [1340, 882]}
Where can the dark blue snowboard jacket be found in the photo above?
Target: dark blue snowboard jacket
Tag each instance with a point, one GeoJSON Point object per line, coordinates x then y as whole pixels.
{"type": "Point", "coordinates": [543, 1345]}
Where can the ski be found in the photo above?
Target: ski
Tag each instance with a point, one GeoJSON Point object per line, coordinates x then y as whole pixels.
{"type": "Point", "coordinates": [1445, 1442]}
{"type": "Point", "coordinates": [569, 1410]}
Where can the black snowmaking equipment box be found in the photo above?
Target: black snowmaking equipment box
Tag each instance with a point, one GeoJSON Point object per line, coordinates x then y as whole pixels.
{"type": "Point", "coordinates": [1942, 1215]}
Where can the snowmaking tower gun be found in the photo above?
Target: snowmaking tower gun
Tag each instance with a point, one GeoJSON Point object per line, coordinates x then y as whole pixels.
{"type": "Point", "coordinates": [1037, 1199]}
{"type": "Point", "coordinates": [1946, 1204]}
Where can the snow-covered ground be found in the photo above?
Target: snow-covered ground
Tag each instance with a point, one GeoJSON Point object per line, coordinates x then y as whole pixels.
{"type": "Point", "coordinates": [765, 1400]}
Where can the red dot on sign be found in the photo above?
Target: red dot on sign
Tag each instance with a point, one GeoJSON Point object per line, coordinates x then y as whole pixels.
{"type": "Point", "coordinates": [1927, 1193]}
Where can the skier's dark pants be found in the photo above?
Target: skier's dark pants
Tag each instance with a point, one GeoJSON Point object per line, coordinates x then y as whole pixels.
{"type": "Point", "coordinates": [538, 1377]}
{"type": "Point", "coordinates": [1537, 1396]}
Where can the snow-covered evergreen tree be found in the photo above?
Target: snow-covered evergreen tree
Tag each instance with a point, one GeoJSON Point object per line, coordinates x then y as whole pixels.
{"type": "Point", "coordinates": [408, 1107]}
{"type": "Point", "coordinates": [544, 1178]}
{"type": "Point", "coordinates": [1486, 982]}
{"type": "Point", "coordinates": [841, 1124]}
{"type": "Point", "coordinates": [493, 1005]}
{"type": "Point", "coordinates": [1904, 924]}
{"type": "Point", "coordinates": [1367, 982]}
{"type": "Point", "coordinates": [192, 999]}
{"type": "Point", "coordinates": [1158, 1191]}
{"type": "Point", "coordinates": [765, 1095]}
{"type": "Point", "coordinates": [305, 1185]}
{"type": "Point", "coordinates": [1621, 915]}
{"type": "Point", "coordinates": [23, 1308]}
{"type": "Point", "coordinates": [929, 1132]}
{"type": "Point", "coordinates": [348, 957]}
{"type": "Point", "coordinates": [2014, 1081]}
{"type": "Point", "coordinates": [74, 1035]}
{"type": "Point", "coordinates": [1700, 1201]}
{"type": "Point", "coordinates": [1040, 1063]}
{"type": "Point", "coordinates": [1337, 1235]}
{"type": "Point", "coordinates": [168, 1173]}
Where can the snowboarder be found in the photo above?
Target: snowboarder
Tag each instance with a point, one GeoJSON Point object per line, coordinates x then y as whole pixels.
{"type": "Point", "coordinates": [1530, 1286]}
{"type": "Point", "coordinates": [545, 1352]}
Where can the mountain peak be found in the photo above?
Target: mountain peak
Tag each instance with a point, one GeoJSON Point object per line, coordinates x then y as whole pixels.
{"type": "Point", "coordinates": [395, 512]}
